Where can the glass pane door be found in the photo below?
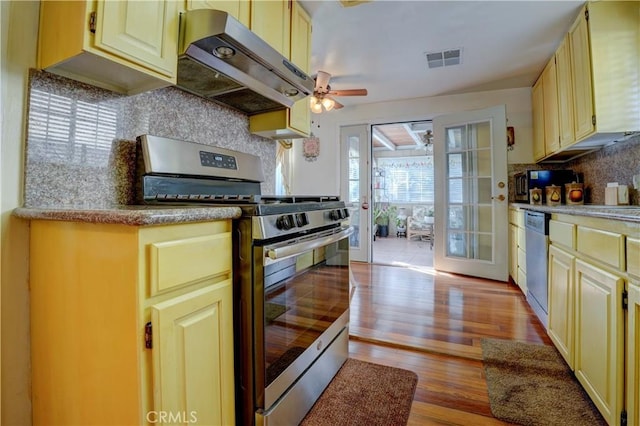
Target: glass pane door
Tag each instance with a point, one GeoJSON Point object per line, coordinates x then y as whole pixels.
{"type": "Point", "coordinates": [355, 188]}
{"type": "Point", "coordinates": [470, 226]}
{"type": "Point", "coordinates": [471, 205]}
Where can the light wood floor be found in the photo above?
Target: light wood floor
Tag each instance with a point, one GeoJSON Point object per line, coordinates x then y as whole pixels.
{"type": "Point", "coordinates": [432, 323]}
{"type": "Point", "coordinates": [402, 251]}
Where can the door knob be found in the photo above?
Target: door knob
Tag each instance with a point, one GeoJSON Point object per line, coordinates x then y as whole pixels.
{"type": "Point", "coordinates": [499, 198]}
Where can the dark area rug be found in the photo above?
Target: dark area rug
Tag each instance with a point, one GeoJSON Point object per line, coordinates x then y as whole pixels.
{"type": "Point", "coordinates": [273, 311]}
{"type": "Point", "coordinates": [531, 384]}
{"type": "Point", "coordinates": [365, 394]}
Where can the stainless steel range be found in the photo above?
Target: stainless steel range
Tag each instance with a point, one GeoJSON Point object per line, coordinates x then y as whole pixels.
{"type": "Point", "coordinates": [291, 275]}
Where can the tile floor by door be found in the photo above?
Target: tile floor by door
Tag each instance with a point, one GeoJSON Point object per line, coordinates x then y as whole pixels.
{"type": "Point", "coordinates": [401, 251]}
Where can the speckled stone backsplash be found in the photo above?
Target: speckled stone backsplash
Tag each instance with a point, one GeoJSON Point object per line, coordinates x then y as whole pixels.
{"type": "Point", "coordinates": [616, 163]}
{"type": "Point", "coordinates": [81, 149]}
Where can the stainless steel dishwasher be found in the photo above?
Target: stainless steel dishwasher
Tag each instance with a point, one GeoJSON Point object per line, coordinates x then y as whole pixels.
{"type": "Point", "coordinates": [537, 240]}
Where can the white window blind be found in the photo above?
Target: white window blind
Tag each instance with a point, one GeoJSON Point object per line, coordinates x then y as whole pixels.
{"type": "Point", "coordinates": [62, 130]}
{"type": "Point", "coordinates": [408, 179]}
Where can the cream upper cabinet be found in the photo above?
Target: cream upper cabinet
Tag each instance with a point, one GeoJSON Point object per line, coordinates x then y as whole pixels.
{"type": "Point", "coordinates": [546, 137]}
{"type": "Point", "coordinates": [605, 46]}
{"type": "Point", "coordinates": [599, 334]}
{"type": "Point", "coordinates": [294, 122]}
{"type": "Point", "coordinates": [142, 326]}
{"type": "Point", "coordinates": [271, 21]}
{"type": "Point", "coordinates": [597, 72]}
{"type": "Point", "coordinates": [138, 31]}
{"type": "Point", "coordinates": [566, 131]}
{"type": "Point", "coordinates": [561, 300]}
{"type": "Point", "coordinates": [300, 113]}
{"type": "Point", "coordinates": [583, 114]}
{"type": "Point", "coordinates": [550, 106]}
{"type": "Point", "coordinates": [124, 46]}
{"type": "Point", "coordinates": [538, 120]}
{"type": "Point", "coordinates": [239, 9]}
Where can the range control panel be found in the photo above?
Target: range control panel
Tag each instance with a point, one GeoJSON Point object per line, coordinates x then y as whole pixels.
{"type": "Point", "coordinates": [220, 161]}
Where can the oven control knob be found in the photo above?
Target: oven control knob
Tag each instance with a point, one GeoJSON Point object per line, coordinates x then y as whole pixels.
{"type": "Point", "coordinates": [302, 219]}
{"type": "Point", "coordinates": [345, 213]}
{"type": "Point", "coordinates": [335, 215]}
{"type": "Point", "coordinates": [285, 222]}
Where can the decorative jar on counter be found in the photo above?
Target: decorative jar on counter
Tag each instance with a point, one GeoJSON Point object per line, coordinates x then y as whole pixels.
{"type": "Point", "coordinates": [554, 195]}
{"type": "Point", "coordinates": [574, 193]}
{"type": "Point", "coordinates": [535, 196]}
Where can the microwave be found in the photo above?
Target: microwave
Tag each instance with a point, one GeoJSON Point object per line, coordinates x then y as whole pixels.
{"type": "Point", "coordinates": [539, 179]}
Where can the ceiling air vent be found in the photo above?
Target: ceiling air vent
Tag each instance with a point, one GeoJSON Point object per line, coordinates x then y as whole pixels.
{"type": "Point", "coordinates": [444, 58]}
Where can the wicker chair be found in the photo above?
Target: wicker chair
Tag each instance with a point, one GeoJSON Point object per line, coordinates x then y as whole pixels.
{"type": "Point", "coordinates": [420, 225]}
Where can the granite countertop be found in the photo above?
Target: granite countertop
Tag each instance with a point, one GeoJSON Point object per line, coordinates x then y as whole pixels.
{"type": "Point", "coordinates": [130, 214]}
{"type": "Point", "coordinates": [623, 213]}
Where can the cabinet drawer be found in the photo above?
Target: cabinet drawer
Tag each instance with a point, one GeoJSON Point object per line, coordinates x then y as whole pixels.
{"type": "Point", "coordinates": [304, 261]}
{"type": "Point", "coordinates": [522, 238]}
{"type": "Point", "coordinates": [513, 216]}
{"type": "Point", "coordinates": [319, 255]}
{"type": "Point", "coordinates": [607, 247]}
{"type": "Point", "coordinates": [520, 218]}
{"type": "Point", "coordinates": [522, 261]}
{"type": "Point", "coordinates": [562, 233]}
{"type": "Point", "coordinates": [633, 256]}
{"type": "Point", "coordinates": [177, 262]}
{"type": "Point", "coordinates": [522, 280]}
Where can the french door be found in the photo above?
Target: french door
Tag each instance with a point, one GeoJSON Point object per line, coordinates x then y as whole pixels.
{"type": "Point", "coordinates": [355, 179]}
{"type": "Point", "coordinates": [470, 164]}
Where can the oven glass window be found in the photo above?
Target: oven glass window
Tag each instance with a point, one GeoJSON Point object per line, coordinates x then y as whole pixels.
{"type": "Point", "coordinates": [304, 295]}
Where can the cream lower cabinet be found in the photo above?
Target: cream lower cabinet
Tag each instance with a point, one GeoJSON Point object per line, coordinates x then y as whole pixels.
{"type": "Point", "coordinates": [591, 263]}
{"type": "Point", "coordinates": [599, 338]}
{"type": "Point", "coordinates": [131, 325]}
{"type": "Point", "coordinates": [633, 354]}
{"type": "Point", "coordinates": [517, 250]}
{"type": "Point", "coordinates": [513, 252]}
{"type": "Point", "coordinates": [189, 356]}
{"type": "Point", "coordinates": [561, 300]}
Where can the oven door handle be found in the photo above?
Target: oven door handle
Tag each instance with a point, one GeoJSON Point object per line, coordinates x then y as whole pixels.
{"type": "Point", "coordinates": [299, 248]}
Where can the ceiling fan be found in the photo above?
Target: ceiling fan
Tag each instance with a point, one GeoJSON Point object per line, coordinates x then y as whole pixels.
{"type": "Point", "coordinates": [323, 95]}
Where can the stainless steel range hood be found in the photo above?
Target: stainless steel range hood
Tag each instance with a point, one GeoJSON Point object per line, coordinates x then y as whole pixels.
{"type": "Point", "coordinates": [222, 60]}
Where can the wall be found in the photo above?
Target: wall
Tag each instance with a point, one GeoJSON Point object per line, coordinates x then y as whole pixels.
{"type": "Point", "coordinates": [19, 30]}
{"type": "Point", "coordinates": [616, 163]}
{"type": "Point", "coordinates": [322, 176]}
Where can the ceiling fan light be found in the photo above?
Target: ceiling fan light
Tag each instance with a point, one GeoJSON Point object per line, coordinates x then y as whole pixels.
{"type": "Point", "coordinates": [313, 101]}
{"type": "Point", "coordinates": [328, 103]}
{"type": "Point", "coordinates": [317, 108]}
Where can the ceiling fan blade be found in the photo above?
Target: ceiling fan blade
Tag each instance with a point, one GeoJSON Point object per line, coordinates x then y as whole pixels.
{"type": "Point", "coordinates": [337, 105]}
{"type": "Point", "coordinates": [349, 92]}
{"type": "Point", "coordinates": [322, 81]}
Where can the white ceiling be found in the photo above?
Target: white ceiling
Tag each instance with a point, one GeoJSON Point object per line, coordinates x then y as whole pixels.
{"type": "Point", "coordinates": [381, 45]}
